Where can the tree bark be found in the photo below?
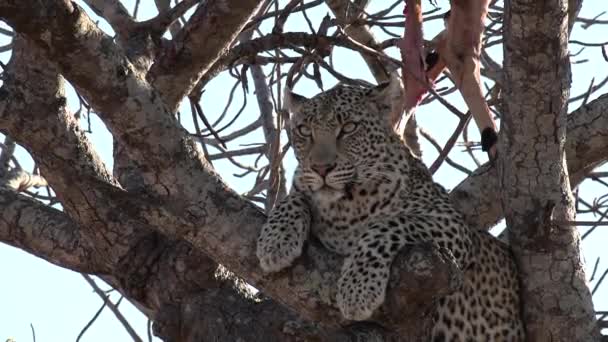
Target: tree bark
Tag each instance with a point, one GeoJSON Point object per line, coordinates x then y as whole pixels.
{"type": "Point", "coordinates": [210, 30]}
{"type": "Point", "coordinates": [533, 175]}
{"type": "Point", "coordinates": [157, 237]}
{"type": "Point", "coordinates": [127, 243]}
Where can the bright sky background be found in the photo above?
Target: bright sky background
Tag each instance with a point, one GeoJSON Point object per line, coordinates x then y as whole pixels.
{"type": "Point", "coordinates": [59, 303]}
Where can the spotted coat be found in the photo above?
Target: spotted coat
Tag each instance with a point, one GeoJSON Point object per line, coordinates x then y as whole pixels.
{"type": "Point", "coordinates": [364, 195]}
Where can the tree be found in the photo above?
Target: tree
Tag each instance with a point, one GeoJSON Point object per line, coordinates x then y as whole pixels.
{"type": "Point", "coordinates": [157, 225]}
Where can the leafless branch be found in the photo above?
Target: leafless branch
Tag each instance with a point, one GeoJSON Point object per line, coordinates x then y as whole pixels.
{"type": "Point", "coordinates": [33, 332]}
{"type": "Point", "coordinates": [113, 307]}
{"type": "Point", "coordinates": [450, 143]}
{"type": "Point", "coordinates": [90, 323]}
{"type": "Point", "coordinates": [441, 150]}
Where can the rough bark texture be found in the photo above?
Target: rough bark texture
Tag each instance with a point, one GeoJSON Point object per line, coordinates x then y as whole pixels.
{"type": "Point", "coordinates": [210, 30]}
{"type": "Point", "coordinates": [157, 226]}
{"type": "Point", "coordinates": [533, 175]}
{"type": "Point", "coordinates": [478, 197]}
{"type": "Point", "coordinates": [183, 199]}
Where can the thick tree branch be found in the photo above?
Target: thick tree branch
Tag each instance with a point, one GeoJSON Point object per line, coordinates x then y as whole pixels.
{"type": "Point", "coordinates": [175, 275]}
{"type": "Point", "coordinates": [61, 149]}
{"type": "Point", "coordinates": [244, 319]}
{"type": "Point", "coordinates": [88, 193]}
{"type": "Point", "coordinates": [477, 197]}
{"type": "Point", "coordinates": [141, 264]}
{"type": "Point", "coordinates": [115, 13]}
{"type": "Point", "coordinates": [574, 7]}
{"type": "Point", "coordinates": [214, 219]}
{"type": "Point", "coordinates": [45, 232]}
{"type": "Point", "coordinates": [209, 228]}
{"type": "Point", "coordinates": [137, 117]}
{"type": "Point", "coordinates": [210, 30]}
{"type": "Point", "coordinates": [145, 279]}
{"type": "Point", "coordinates": [533, 176]}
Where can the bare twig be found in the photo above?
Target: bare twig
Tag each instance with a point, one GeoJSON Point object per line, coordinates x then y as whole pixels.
{"type": "Point", "coordinates": [33, 332]}
{"type": "Point", "coordinates": [449, 144]}
{"type": "Point", "coordinates": [595, 266]}
{"type": "Point", "coordinates": [113, 307]}
{"type": "Point", "coordinates": [149, 330]}
{"type": "Point", "coordinates": [168, 17]}
{"type": "Point", "coordinates": [236, 153]}
{"type": "Point", "coordinates": [439, 149]}
{"type": "Point", "coordinates": [199, 113]}
{"type": "Point", "coordinates": [93, 319]}
{"type": "Point", "coordinates": [599, 282]}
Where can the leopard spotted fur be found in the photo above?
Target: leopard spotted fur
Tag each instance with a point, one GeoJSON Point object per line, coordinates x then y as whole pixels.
{"type": "Point", "coordinates": [364, 195]}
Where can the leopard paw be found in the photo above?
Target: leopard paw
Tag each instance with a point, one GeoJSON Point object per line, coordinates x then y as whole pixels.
{"type": "Point", "coordinates": [361, 290]}
{"type": "Point", "coordinates": [276, 253]}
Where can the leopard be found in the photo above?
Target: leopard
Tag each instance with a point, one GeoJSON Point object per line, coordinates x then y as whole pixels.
{"type": "Point", "coordinates": [361, 192]}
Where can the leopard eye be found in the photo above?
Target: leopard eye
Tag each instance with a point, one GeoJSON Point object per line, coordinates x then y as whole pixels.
{"type": "Point", "coordinates": [304, 130]}
{"type": "Point", "coordinates": [348, 127]}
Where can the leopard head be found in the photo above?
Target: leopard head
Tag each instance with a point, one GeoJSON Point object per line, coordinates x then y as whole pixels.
{"type": "Point", "coordinates": [340, 136]}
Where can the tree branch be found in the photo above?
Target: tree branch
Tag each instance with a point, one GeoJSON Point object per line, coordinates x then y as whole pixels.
{"type": "Point", "coordinates": [61, 149]}
{"type": "Point", "coordinates": [533, 176]}
{"type": "Point", "coordinates": [86, 190]}
{"type": "Point", "coordinates": [46, 233]}
{"type": "Point", "coordinates": [140, 263]}
{"type": "Point", "coordinates": [343, 10]}
{"type": "Point", "coordinates": [102, 205]}
{"type": "Point", "coordinates": [113, 307]}
{"type": "Point", "coordinates": [131, 109]}
{"type": "Point", "coordinates": [210, 30]}
{"type": "Point", "coordinates": [477, 196]}
{"type": "Point", "coordinates": [115, 13]}
{"type": "Point", "coordinates": [214, 219]}
{"type": "Point", "coordinates": [247, 51]}
{"type": "Point", "coordinates": [7, 152]}
{"type": "Point", "coordinates": [168, 17]}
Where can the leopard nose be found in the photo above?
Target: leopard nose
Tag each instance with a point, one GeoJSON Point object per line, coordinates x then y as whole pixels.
{"type": "Point", "coordinates": [323, 169]}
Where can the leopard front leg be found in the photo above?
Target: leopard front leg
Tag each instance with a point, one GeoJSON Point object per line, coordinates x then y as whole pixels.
{"type": "Point", "coordinates": [365, 273]}
{"type": "Point", "coordinates": [283, 235]}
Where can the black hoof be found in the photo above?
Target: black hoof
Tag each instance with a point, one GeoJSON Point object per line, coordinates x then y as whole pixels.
{"type": "Point", "coordinates": [488, 139]}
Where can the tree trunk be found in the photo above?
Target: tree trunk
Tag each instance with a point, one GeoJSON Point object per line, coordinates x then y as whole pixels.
{"type": "Point", "coordinates": [536, 196]}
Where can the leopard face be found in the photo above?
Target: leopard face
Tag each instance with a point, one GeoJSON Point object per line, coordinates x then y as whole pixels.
{"type": "Point", "coordinates": [339, 138]}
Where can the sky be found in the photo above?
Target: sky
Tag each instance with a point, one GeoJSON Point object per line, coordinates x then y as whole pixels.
{"type": "Point", "coordinates": [58, 303]}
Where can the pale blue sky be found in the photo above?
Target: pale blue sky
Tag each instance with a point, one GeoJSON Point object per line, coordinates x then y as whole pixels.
{"type": "Point", "coordinates": [59, 303]}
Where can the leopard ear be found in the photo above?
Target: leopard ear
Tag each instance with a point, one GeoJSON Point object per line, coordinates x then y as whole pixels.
{"type": "Point", "coordinates": [293, 102]}
{"type": "Point", "coordinates": [390, 97]}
